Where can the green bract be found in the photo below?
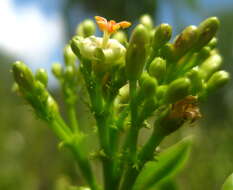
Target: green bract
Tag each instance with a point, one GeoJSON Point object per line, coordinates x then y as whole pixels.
{"type": "Point", "coordinates": [126, 82]}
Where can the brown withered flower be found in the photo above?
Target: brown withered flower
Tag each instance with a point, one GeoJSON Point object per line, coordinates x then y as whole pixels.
{"type": "Point", "coordinates": [183, 111]}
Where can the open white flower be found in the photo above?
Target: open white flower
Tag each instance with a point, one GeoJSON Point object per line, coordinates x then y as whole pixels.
{"type": "Point", "coordinates": [91, 48]}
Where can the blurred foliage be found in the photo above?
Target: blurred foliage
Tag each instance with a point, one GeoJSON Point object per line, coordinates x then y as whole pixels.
{"type": "Point", "coordinates": [30, 158]}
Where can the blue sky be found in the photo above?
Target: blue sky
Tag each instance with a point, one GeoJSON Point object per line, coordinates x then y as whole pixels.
{"type": "Point", "coordinates": [33, 29]}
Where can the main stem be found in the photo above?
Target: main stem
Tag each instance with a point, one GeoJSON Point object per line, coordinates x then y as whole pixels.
{"type": "Point", "coordinates": [131, 141]}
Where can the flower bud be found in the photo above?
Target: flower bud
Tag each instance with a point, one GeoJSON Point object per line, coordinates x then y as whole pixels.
{"type": "Point", "coordinates": [140, 35]}
{"type": "Point", "coordinates": [86, 28]}
{"type": "Point", "coordinates": [210, 65]}
{"type": "Point", "coordinates": [195, 77]}
{"type": "Point", "coordinates": [23, 76]}
{"type": "Point", "coordinates": [147, 21]}
{"type": "Point", "coordinates": [162, 35]}
{"type": "Point", "coordinates": [177, 90]}
{"type": "Point", "coordinates": [161, 91]}
{"type": "Point", "coordinates": [123, 97]}
{"type": "Point", "coordinates": [213, 43]}
{"type": "Point", "coordinates": [52, 106]}
{"type": "Point", "coordinates": [148, 85]}
{"type": "Point", "coordinates": [185, 41]}
{"type": "Point", "coordinates": [217, 80]}
{"type": "Point", "coordinates": [42, 76]}
{"type": "Point", "coordinates": [57, 70]}
{"type": "Point", "coordinates": [206, 31]}
{"type": "Point", "coordinates": [121, 37]}
{"type": "Point", "coordinates": [69, 56]}
{"type": "Point", "coordinates": [167, 52]}
{"type": "Point", "coordinates": [69, 73]}
{"type": "Point", "coordinates": [157, 68]}
{"type": "Point", "coordinates": [137, 52]}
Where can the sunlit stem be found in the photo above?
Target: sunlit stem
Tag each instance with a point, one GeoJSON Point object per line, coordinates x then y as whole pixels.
{"type": "Point", "coordinates": [105, 39]}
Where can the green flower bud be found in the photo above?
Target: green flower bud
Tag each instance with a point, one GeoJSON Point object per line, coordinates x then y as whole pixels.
{"type": "Point", "coordinates": [217, 80]}
{"type": "Point", "coordinates": [210, 65]}
{"type": "Point", "coordinates": [185, 41]}
{"type": "Point", "coordinates": [23, 75]}
{"type": "Point", "coordinates": [197, 82]}
{"type": "Point", "coordinates": [140, 35]}
{"type": "Point", "coordinates": [177, 90]}
{"type": "Point", "coordinates": [213, 43]}
{"type": "Point", "coordinates": [206, 31]}
{"type": "Point", "coordinates": [57, 70]}
{"type": "Point", "coordinates": [162, 35]}
{"type": "Point", "coordinates": [147, 21]}
{"type": "Point", "coordinates": [42, 76]}
{"type": "Point", "coordinates": [137, 52]}
{"type": "Point", "coordinates": [167, 52]}
{"type": "Point", "coordinates": [148, 85]}
{"type": "Point", "coordinates": [157, 68]}
{"type": "Point", "coordinates": [69, 73]}
{"type": "Point", "coordinates": [121, 37]}
{"type": "Point", "coordinates": [86, 28]}
{"type": "Point", "coordinates": [69, 56]}
{"type": "Point", "coordinates": [123, 97]}
{"type": "Point", "coordinates": [161, 91]}
{"type": "Point", "coordinates": [52, 106]}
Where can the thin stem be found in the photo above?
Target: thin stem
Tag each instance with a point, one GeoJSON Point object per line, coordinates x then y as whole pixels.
{"type": "Point", "coordinates": [73, 118]}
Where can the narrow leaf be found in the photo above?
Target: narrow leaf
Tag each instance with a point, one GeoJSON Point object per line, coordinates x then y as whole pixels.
{"type": "Point", "coordinates": [167, 164]}
{"type": "Point", "coordinates": [228, 185]}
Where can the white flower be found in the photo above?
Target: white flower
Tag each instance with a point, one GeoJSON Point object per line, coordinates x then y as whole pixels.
{"type": "Point", "coordinates": [91, 48]}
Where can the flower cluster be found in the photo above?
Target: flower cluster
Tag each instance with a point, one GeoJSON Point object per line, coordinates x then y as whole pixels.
{"type": "Point", "coordinates": [129, 82]}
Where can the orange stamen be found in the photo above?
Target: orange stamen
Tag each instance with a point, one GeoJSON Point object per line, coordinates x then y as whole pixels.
{"type": "Point", "coordinates": [110, 26]}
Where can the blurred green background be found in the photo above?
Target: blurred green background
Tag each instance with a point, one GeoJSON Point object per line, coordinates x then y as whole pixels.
{"type": "Point", "coordinates": [36, 30]}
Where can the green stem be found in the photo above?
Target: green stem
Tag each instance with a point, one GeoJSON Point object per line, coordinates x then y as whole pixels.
{"type": "Point", "coordinates": [84, 166]}
{"type": "Point", "coordinates": [73, 119]}
{"type": "Point", "coordinates": [148, 149]}
{"type": "Point", "coordinates": [131, 140]}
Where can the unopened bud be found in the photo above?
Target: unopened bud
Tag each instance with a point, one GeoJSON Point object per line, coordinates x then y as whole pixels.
{"type": "Point", "coordinates": [69, 73]}
{"type": "Point", "coordinates": [185, 41]}
{"type": "Point", "coordinates": [217, 80]}
{"type": "Point", "coordinates": [210, 65]}
{"type": "Point", "coordinates": [206, 31]}
{"type": "Point", "coordinates": [57, 70]}
{"type": "Point", "coordinates": [42, 76]}
{"type": "Point", "coordinates": [148, 85]}
{"type": "Point", "coordinates": [162, 35]}
{"type": "Point", "coordinates": [213, 43]}
{"type": "Point", "coordinates": [124, 94]}
{"type": "Point", "coordinates": [137, 52]}
{"type": "Point", "coordinates": [121, 37]}
{"type": "Point", "coordinates": [167, 52]}
{"type": "Point", "coordinates": [69, 56]}
{"type": "Point", "coordinates": [177, 90]}
{"type": "Point", "coordinates": [86, 28]}
{"type": "Point", "coordinates": [147, 21]}
{"type": "Point", "coordinates": [195, 77]}
{"type": "Point", "coordinates": [23, 75]}
{"type": "Point", "coordinates": [157, 68]}
{"type": "Point", "coordinates": [52, 106]}
{"type": "Point", "coordinates": [161, 91]}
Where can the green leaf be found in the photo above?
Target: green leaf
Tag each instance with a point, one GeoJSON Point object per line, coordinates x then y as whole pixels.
{"type": "Point", "coordinates": [165, 185]}
{"type": "Point", "coordinates": [167, 164]}
{"type": "Point", "coordinates": [228, 185]}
